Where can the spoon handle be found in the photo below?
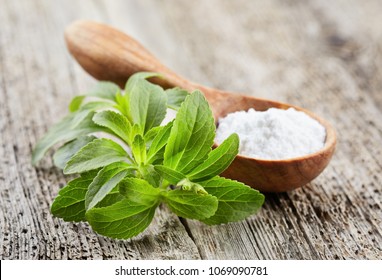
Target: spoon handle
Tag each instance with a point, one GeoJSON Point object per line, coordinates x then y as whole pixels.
{"type": "Point", "coordinates": [109, 54]}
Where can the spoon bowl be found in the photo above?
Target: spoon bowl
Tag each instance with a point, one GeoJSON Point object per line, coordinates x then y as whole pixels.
{"type": "Point", "coordinates": [109, 54]}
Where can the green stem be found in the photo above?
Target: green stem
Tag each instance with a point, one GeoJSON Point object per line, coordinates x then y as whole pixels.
{"type": "Point", "coordinates": [164, 184]}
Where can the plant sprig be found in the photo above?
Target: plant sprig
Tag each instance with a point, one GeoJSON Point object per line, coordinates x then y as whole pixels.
{"type": "Point", "coordinates": [128, 163]}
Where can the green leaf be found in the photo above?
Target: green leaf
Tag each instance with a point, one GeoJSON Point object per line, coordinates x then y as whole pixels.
{"type": "Point", "coordinates": [61, 133]}
{"type": "Point", "coordinates": [76, 103]}
{"type": "Point", "coordinates": [88, 108]}
{"type": "Point", "coordinates": [147, 102]}
{"type": "Point", "coordinates": [113, 197]}
{"type": "Point", "coordinates": [158, 144]}
{"type": "Point", "coordinates": [128, 217]}
{"type": "Point", "coordinates": [105, 90]}
{"type": "Point", "coordinates": [122, 220]}
{"type": "Point", "coordinates": [63, 154]}
{"type": "Point", "coordinates": [70, 202]}
{"type": "Point", "coordinates": [135, 130]}
{"type": "Point", "coordinates": [218, 160]}
{"type": "Point", "coordinates": [150, 175]}
{"type": "Point", "coordinates": [137, 77]}
{"type": "Point", "coordinates": [139, 149]}
{"type": "Point", "coordinates": [236, 200]}
{"type": "Point", "coordinates": [96, 154]}
{"type": "Point", "coordinates": [116, 122]}
{"type": "Point", "coordinates": [140, 191]}
{"type": "Point", "coordinates": [105, 181]}
{"type": "Point", "coordinates": [150, 135]}
{"type": "Point", "coordinates": [175, 97]}
{"type": "Point", "coordinates": [191, 205]}
{"type": "Point", "coordinates": [171, 175]}
{"type": "Point", "coordinates": [123, 106]}
{"type": "Point", "coordinates": [191, 136]}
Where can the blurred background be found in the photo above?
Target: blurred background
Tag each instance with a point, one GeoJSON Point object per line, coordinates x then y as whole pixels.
{"type": "Point", "coordinates": [325, 56]}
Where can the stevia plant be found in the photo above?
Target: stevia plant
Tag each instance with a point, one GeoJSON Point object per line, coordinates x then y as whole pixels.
{"type": "Point", "coordinates": [128, 163]}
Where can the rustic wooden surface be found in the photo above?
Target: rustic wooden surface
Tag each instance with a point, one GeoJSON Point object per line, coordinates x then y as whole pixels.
{"type": "Point", "coordinates": [325, 56]}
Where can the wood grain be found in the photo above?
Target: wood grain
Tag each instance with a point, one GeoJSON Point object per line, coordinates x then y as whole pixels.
{"type": "Point", "coordinates": [323, 56]}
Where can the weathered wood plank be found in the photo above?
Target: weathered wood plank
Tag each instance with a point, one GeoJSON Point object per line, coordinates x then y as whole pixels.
{"type": "Point", "coordinates": [38, 80]}
{"type": "Point", "coordinates": [300, 52]}
{"type": "Point", "coordinates": [323, 56]}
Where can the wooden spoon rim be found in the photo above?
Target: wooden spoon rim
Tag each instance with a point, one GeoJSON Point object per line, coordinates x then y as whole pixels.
{"type": "Point", "coordinates": [329, 145]}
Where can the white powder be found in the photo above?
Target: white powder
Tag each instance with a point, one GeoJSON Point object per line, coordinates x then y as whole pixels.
{"type": "Point", "coordinates": [273, 134]}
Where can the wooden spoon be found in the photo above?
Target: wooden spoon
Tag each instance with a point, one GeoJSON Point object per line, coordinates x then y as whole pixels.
{"type": "Point", "coordinates": [108, 54]}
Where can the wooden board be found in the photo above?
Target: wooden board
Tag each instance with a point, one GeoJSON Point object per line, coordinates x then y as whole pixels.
{"type": "Point", "coordinates": [323, 56]}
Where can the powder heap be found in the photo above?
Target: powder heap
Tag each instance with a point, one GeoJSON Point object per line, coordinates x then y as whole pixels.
{"type": "Point", "coordinates": [273, 134]}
